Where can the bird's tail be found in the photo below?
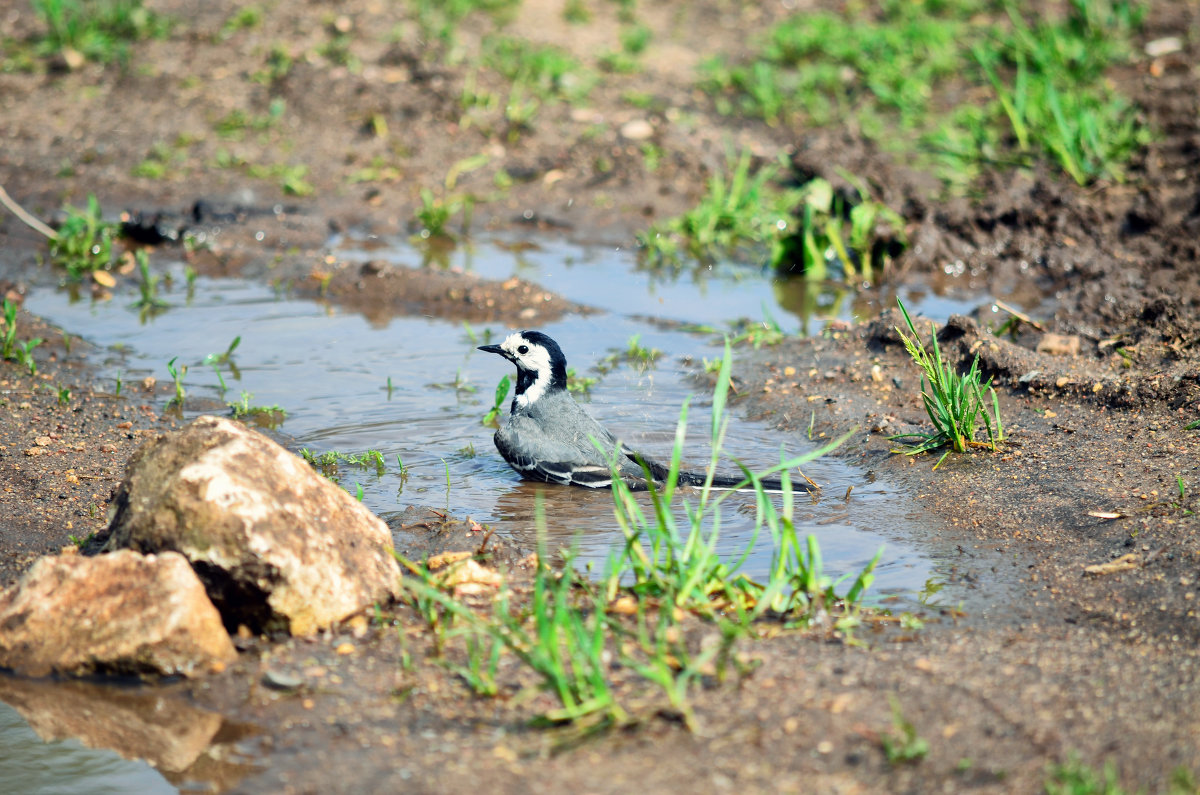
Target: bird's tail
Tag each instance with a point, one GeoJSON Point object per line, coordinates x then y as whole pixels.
{"type": "Point", "coordinates": [662, 474]}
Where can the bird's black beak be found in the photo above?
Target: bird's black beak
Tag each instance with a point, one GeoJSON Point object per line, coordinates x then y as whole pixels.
{"type": "Point", "coordinates": [494, 349]}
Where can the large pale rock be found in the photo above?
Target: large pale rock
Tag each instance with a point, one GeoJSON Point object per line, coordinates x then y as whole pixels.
{"type": "Point", "coordinates": [118, 613]}
{"type": "Point", "coordinates": [276, 544]}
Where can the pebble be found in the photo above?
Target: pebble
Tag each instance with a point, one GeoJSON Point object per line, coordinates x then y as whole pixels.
{"type": "Point", "coordinates": [637, 130]}
{"type": "Point", "coordinates": [281, 680]}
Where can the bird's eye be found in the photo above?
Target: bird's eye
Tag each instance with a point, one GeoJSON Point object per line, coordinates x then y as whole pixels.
{"type": "Point", "coordinates": [522, 349]}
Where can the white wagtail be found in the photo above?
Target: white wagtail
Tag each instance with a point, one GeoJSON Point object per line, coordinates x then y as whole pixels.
{"type": "Point", "coordinates": [548, 436]}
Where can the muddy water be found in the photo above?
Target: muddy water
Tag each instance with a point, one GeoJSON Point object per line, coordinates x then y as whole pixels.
{"type": "Point", "coordinates": [416, 388]}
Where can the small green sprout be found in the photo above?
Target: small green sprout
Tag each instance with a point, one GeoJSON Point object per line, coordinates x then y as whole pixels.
{"type": "Point", "coordinates": [580, 384]}
{"type": "Point", "coordinates": [641, 355]}
{"type": "Point", "coordinates": [268, 416]}
{"type": "Point", "coordinates": [148, 302]}
{"type": "Point", "coordinates": [903, 744]}
{"type": "Point", "coordinates": [177, 374]}
{"type": "Point", "coordinates": [502, 389]}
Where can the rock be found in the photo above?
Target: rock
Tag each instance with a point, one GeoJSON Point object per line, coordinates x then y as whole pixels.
{"type": "Point", "coordinates": [276, 545]}
{"type": "Point", "coordinates": [637, 130]}
{"type": "Point", "coordinates": [118, 613]}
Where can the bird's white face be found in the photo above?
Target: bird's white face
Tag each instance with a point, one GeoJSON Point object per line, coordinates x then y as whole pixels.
{"type": "Point", "coordinates": [532, 357]}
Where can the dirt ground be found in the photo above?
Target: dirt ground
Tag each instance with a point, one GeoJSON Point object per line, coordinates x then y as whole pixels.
{"type": "Point", "coordinates": [1050, 663]}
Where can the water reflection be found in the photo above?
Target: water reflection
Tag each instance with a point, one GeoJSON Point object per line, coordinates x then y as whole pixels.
{"type": "Point", "coordinates": [76, 736]}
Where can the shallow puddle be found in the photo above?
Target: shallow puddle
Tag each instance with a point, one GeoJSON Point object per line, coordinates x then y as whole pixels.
{"type": "Point", "coordinates": [416, 388]}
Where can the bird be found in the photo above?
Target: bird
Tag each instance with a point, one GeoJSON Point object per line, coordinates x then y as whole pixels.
{"type": "Point", "coordinates": [548, 436]}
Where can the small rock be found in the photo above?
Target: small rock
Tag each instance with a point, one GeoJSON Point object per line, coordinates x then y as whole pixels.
{"type": "Point", "coordinates": [1164, 46]}
{"type": "Point", "coordinates": [277, 545]}
{"type": "Point", "coordinates": [119, 613]}
{"type": "Point", "coordinates": [586, 116]}
{"type": "Point", "coordinates": [358, 625]}
{"type": "Point", "coordinates": [1059, 345]}
{"type": "Point", "coordinates": [281, 680]}
{"type": "Point", "coordinates": [637, 130]}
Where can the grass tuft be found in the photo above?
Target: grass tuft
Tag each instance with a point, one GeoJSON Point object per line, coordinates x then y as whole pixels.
{"type": "Point", "coordinates": [266, 416]}
{"type": "Point", "coordinates": [98, 30]}
{"type": "Point", "coordinates": [10, 348]}
{"type": "Point", "coordinates": [953, 402]}
{"type": "Point", "coordinates": [84, 241]}
{"type": "Point", "coordinates": [811, 229]}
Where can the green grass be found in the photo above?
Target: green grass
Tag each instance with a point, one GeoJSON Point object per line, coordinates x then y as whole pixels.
{"type": "Point", "coordinates": [556, 637]}
{"type": "Point", "coordinates": [765, 332]}
{"type": "Point", "coordinates": [810, 230]}
{"type": "Point", "coordinates": [164, 159]}
{"type": "Point", "coordinates": [216, 360]}
{"type": "Point", "coordinates": [177, 374]}
{"type": "Point", "coordinates": [245, 18]}
{"type": "Point", "coordinates": [953, 402]}
{"type": "Point", "coordinates": [679, 563]}
{"type": "Point", "coordinates": [292, 178]}
{"type": "Point", "coordinates": [329, 462]}
{"type": "Point", "coordinates": [436, 211]}
{"type": "Point", "coordinates": [10, 348]}
{"type": "Point", "coordinates": [580, 384]}
{"type": "Point", "coordinates": [546, 72]}
{"type": "Point", "coordinates": [502, 389]}
{"type": "Point", "coordinates": [267, 416]}
{"type": "Point", "coordinates": [84, 241]}
{"type": "Point", "coordinates": [438, 20]}
{"type": "Point", "coordinates": [148, 300]}
{"type": "Point", "coordinates": [889, 70]}
{"type": "Point", "coordinates": [434, 215]}
{"type": "Point", "coordinates": [902, 745]}
{"type": "Point", "coordinates": [234, 125]}
{"type": "Point", "coordinates": [1073, 777]}
{"type": "Point", "coordinates": [577, 633]}
{"type": "Point", "coordinates": [740, 209]}
{"type": "Point", "coordinates": [99, 30]}
{"type": "Point", "coordinates": [634, 41]}
{"type": "Point", "coordinates": [1055, 100]}
{"type": "Point", "coordinates": [642, 356]}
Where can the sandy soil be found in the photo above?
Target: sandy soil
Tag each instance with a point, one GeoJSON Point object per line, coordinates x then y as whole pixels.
{"type": "Point", "coordinates": [1048, 663]}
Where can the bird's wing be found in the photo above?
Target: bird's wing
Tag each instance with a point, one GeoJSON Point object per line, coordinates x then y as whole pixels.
{"type": "Point", "coordinates": [552, 457]}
